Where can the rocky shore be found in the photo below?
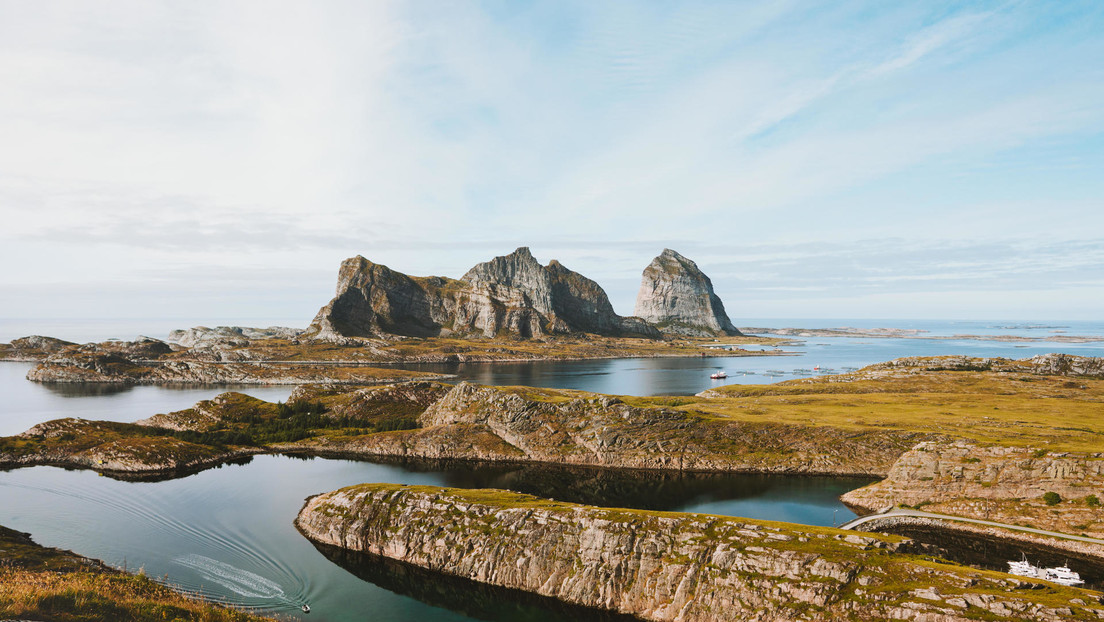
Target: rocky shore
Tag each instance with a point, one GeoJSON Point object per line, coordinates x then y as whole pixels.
{"type": "Point", "coordinates": [671, 566]}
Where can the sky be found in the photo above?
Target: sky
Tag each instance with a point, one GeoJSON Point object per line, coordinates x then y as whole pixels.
{"type": "Point", "coordinates": [211, 160]}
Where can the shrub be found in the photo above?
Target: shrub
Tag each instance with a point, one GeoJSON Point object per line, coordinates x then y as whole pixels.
{"type": "Point", "coordinates": [1039, 453]}
{"type": "Point", "coordinates": [1092, 501]}
{"type": "Point", "coordinates": [1052, 498]}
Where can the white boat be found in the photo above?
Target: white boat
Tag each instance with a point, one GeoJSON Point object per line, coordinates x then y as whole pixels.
{"type": "Point", "coordinates": [306, 608]}
{"type": "Point", "coordinates": [1062, 575]}
{"type": "Point", "coordinates": [1023, 568]}
{"type": "Point", "coordinates": [718, 375]}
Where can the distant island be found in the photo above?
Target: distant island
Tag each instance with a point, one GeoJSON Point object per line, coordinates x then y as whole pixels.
{"type": "Point", "coordinates": [510, 308]}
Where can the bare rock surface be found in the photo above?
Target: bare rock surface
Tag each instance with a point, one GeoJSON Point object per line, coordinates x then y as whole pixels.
{"type": "Point", "coordinates": [202, 336]}
{"type": "Point", "coordinates": [669, 566]}
{"type": "Point", "coordinates": [997, 483]}
{"type": "Point", "coordinates": [502, 424]}
{"type": "Point", "coordinates": [33, 348]}
{"type": "Point", "coordinates": [510, 295]}
{"type": "Point", "coordinates": [678, 297]}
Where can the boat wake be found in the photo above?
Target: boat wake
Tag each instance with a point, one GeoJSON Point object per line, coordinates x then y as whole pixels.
{"type": "Point", "coordinates": [239, 581]}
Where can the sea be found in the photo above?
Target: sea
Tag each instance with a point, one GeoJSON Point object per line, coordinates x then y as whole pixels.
{"type": "Point", "coordinates": [226, 533]}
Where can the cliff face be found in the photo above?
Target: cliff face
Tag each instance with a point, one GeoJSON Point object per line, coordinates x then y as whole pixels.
{"type": "Point", "coordinates": [149, 361]}
{"type": "Point", "coordinates": [665, 566]}
{"type": "Point", "coordinates": [678, 297]}
{"type": "Point", "coordinates": [1004, 484]}
{"type": "Point", "coordinates": [510, 295]}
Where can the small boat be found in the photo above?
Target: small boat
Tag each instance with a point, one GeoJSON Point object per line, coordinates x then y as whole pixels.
{"type": "Point", "coordinates": [718, 375]}
{"type": "Point", "coordinates": [817, 368]}
{"type": "Point", "coordinates": [1062, 575]}
{"type": "Point", "coordinates": [306, 608]}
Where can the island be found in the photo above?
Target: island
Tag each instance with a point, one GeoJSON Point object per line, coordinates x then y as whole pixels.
{"type": "Point", "coordinates": [511, 308]}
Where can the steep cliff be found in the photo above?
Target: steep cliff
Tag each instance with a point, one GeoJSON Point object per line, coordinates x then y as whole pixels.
{"type": "Point", "coordinates": [669, 566]}
{"type": "Point", "coordinates": [678, 297]}
{"type": "Point", "coordinates": [1004, 484]}
{"type": "Point", "coordinates": [512, 295]}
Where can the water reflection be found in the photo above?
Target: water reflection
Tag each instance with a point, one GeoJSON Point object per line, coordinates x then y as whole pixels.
{"type": "Point", "coordinates": [73, 389]}
{"type": "Point", "coordinates": [469, 598]}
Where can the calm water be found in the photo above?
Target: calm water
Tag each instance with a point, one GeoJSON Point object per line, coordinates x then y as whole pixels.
{"type": "Point", "coordinates": [228, 532]}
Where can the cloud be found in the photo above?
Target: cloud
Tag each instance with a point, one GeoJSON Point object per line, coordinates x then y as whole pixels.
{"type": "Point", "coordinates": [168, 138]}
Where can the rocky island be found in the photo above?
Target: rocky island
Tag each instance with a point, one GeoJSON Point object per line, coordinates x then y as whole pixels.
{"type": "Point", "coordinates": [672, 566]}
{"type": "Point", "coordinates": [510, 308]}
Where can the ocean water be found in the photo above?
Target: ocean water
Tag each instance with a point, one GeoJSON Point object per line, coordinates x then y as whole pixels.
{"type": "Point", "coordinates": [227, 533]}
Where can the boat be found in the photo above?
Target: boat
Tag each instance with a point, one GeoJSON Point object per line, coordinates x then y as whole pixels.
{"type": "Point", "coordinates": [1062, 575]}
{"type": "Point", "coordinates": [718, 375]}
{"type": "Point", "coordinates": [1023, 568]}
{"type": "Point", "coordinates": [306, 608]}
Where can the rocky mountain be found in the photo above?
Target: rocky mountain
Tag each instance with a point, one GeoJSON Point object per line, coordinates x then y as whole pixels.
{"type": "Point", "coordinates": [670, 566]}
{"type": "Point", "coordinates": [678, 297]}
{"type": "Point", "coordinates": [510, 295]}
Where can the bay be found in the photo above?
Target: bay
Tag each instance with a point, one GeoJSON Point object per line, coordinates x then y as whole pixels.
{"type": "Point", "coordinates": [227, 533]}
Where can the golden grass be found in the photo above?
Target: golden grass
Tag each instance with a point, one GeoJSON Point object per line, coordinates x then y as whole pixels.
{"type": "Point", "coordinates": [96, 596]}
{"type": "Point", "coordinates": [1058, 413]}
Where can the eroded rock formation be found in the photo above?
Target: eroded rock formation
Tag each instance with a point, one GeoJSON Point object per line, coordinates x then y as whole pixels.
{"type": "Point", "coordinates": [678, 297]}
{"type": "Point", "coordinates": [503, 424]}
{"type": "Point", "coordinates": [511, 295]}
{"type": "Point", "coordinates": [667, 566]}
{"type": "Point", "coordinates": [1003, 484]}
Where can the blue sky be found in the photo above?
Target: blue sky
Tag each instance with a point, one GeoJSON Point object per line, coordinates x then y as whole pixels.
{"type": "Point", "coordinates": [822, 159]}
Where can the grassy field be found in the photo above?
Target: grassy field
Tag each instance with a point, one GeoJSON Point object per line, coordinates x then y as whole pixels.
{"type": "Point", "coordinates": [1058, 413]}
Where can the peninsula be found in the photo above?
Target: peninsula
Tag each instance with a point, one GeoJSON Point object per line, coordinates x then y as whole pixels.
{"type": "Point", "coordinates": [672, 566]}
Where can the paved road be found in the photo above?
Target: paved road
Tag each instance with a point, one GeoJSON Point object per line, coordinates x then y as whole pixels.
{"type": "Point", "coordinates": [921, 514]}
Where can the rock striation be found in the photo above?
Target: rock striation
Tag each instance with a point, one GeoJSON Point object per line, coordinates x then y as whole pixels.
{"type": "Point", "coordinates": [562, 427]}
{"type": "Point", "coordinates": [999, 483]}
{"type": "Point", "coordinates": [513, 295]}
{"type": "Point", "coordinates": [668, 566]}
{"type": "Point", "coordinates": [678, 297]}
{"type": "Point", "coordinates": [151, 361]}
{"type": "Point", "coordinates": [202, 336]}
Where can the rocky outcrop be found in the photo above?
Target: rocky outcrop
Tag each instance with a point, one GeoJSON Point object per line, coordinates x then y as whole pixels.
{"type": "Point", "coordinates": [150, 361]}
{"type": "Point", "coordinates": [1052, 364]}
{"type": "Point", "coordinates": [202, 336]}
{"type": "Point", "coordinates": [512, 295]}
{"type": "Point", "coordinates": [667, 566]}
{"type": "Point", "coordinates": [564, 427]}
{"type": "Point", "coordinates": [118, 448]}
{"type": "Point", "coordinates": [32, 348]}
{"type": "Point", "coordinates": [998, 483]}
{"type": "Point", "coordinates": [678, 297]}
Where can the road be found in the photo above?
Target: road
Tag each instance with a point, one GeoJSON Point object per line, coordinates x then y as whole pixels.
{"type": "Point", "coordinates": [921, 514]}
